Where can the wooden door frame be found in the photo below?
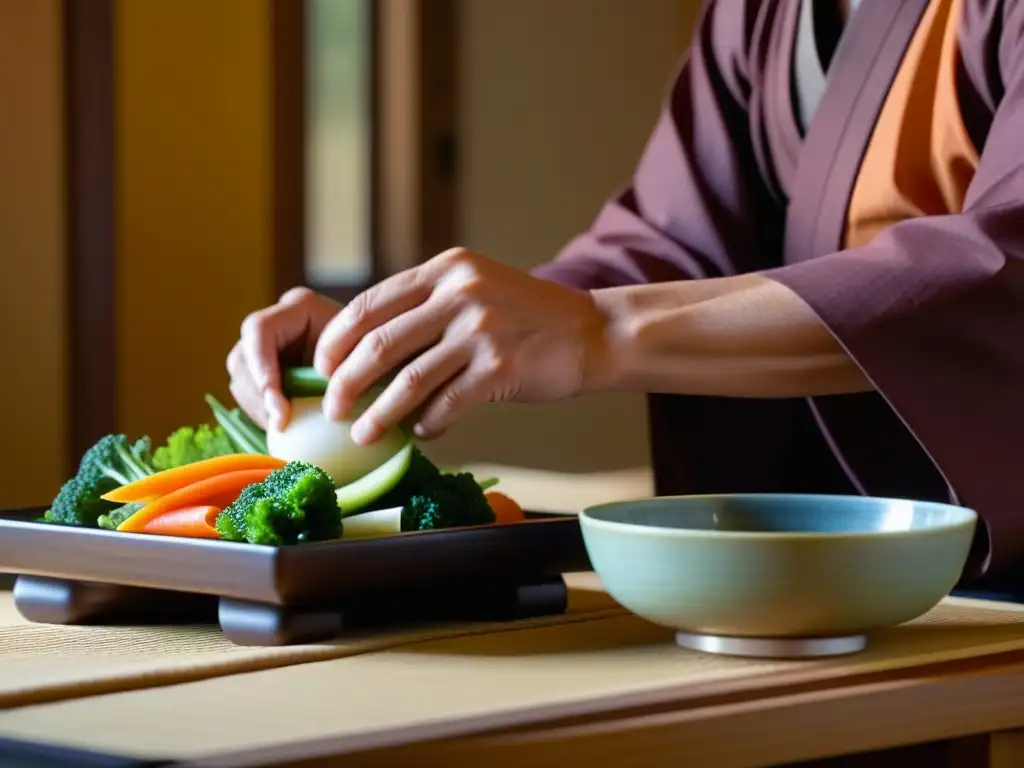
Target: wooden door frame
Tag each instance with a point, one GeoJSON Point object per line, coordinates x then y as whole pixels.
{"type": "Point", "coordinates": [89, 72]}
{"type": "Point", "coordinates": [414, 113]}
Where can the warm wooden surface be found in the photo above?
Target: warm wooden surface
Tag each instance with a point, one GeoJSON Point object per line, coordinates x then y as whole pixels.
{"type": "Point", "coordinates": [594, 691]}
{"type": "Point", "coordinates": [770, 731]}
{"type": "Point", "coordinates": [545, 491]}
{"type": "Point", "coordinates": [616, 694]}
{"type": "Point", "coordinates": [42, 663]}
{"type": "Point", "coordinates": [1006, 749]}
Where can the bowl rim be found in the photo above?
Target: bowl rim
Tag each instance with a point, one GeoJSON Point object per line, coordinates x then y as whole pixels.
{"type": "Point", "coordinates": [969, 521]}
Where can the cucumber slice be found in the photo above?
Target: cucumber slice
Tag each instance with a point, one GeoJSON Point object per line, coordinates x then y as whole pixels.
{"type": "Point", "coordinates": [303, 381]}
{"type": "Point", "coordinates": [359, 494]}
{"type": "Point", "coordinates": [306, 381]}
{"type": "Point", "coordinates": [367, 525]}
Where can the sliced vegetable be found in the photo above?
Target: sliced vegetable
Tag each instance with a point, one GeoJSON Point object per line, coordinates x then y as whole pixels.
{"type": "Point", "coordinates": [426, 513]}
{"type": "Point", "coordinates": [200, 493]}
{"type": "Point", "coordinates": [312, 438]}
{"type": "Point", "coordinates": [189, 522]}
{"type": "Point", "coordinates": [161, 483]}
{"type": "Point", "coordinates": [303, 381]}
{"type": "Point", "coordinates": [244, 433]}
{"type": "Point", "coordinates": [434, 499]}
{"type": "Point", "coordinates": [368, 525]}
{"type": "Point", "coordinates": [359, 494]}
{"type": "Point", "coordinates": [306, 381]}
{"type": "Point", "coordinates": [506, 510]}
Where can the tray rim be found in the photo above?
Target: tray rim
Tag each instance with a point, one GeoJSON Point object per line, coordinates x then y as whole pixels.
{"type": "Point", "coordinates": [250, 572]}
{"type": "Point", "coordinates": [12, 519]}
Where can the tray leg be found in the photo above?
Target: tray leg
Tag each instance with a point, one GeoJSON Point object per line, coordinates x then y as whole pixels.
{"type": "Point", "coordinates": [246, 623]}
{"type": "Point", "coordinates": [255, 624]}
{"type": "Point", "coordinates": [499, 602]}
{"type": "Point", "coordinates": [54, 601]}
{"type": "Point", "coordinates": [489, 601]}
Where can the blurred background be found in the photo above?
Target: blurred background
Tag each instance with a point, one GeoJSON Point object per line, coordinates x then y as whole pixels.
{"type": "Point", "coordinates": [167, 166]}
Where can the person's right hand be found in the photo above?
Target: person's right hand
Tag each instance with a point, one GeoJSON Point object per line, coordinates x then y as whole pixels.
{"type": "Point", "coordinates": [288, 331]}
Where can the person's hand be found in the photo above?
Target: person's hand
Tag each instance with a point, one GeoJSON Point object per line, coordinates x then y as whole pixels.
{"type": "Point", "coordinates": [458, 331]}
{"type": "Point", "coordinates": [285, 331]}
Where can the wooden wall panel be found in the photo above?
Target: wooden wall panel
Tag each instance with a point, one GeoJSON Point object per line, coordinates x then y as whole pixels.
{"type": "Point", "coordinates": [33, 338]}
{"type": "Point", "coordinates": [194, 204]}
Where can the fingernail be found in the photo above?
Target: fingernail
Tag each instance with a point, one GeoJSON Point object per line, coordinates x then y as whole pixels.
{"type": "Point", "coordinates": [323, 365]}
{"type": "Point", "coordinates": [273, 411]}
{"type": "Point", "coordinates": [362, 432]}
{"type": "Point", "coordinates": [331, 409]}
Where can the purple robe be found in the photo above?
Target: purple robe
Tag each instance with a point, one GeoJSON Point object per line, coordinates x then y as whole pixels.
{"type": "Point", "coordinates": [931, 308]}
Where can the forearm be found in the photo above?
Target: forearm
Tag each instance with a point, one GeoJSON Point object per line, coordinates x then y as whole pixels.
{"type": "Point", "coordinates": [743, 336]}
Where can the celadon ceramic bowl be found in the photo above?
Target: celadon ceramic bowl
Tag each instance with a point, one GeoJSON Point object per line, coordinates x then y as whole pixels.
{"type": "Point", "coordinates": [777, 566]}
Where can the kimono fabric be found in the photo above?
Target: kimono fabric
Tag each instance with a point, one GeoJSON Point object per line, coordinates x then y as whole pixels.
{"type": "Point", "coordinates": [894, 208]}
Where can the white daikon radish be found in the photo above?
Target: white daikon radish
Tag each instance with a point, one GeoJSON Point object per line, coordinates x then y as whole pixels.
{"type": "Point", "coordinates": [369, 525]}
{"type": "Point", "coordinates": [311, 437]}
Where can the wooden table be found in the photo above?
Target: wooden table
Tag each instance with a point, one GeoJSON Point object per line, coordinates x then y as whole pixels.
{"type": "Point", "coordinates": [494, 700]}
{"type": "Point", "coordinates": [612, 691]}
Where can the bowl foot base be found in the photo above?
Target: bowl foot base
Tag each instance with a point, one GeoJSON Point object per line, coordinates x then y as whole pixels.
{"type": "Point", "coordinates": [773, 647]}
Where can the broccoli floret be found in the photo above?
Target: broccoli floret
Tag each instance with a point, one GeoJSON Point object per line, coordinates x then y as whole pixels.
{"type": "Point", "coordinates": [142, 450]}
{"type": "Point", "coordinates": [188, 445]}
{"type": "Point", "coordinates": [431, 498]}
{"type": "Point", "coordinates": [241, 430]}
{"type": "Point", "coordinates": [108, 464]}
{"type": "Point", "coordinates": [294, 504]}
{"type": "Point", "coordinates": [113, 458]}
{"type": "Point", "coordinates": [78, 501]}
{"type": "Point", "coordinates": [447, 501]}
{"type": "Point", "coordinates": [115, 517]}
{"type": "Point", "coordinates": [421, 474]}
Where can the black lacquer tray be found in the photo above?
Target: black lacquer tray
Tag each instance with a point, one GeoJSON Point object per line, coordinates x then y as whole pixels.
{"type": "Point", "coordinates": [286, 595]}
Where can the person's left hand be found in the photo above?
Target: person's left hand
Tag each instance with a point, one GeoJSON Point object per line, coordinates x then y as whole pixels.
{"type": "Point", "coordinates": [458, 331]}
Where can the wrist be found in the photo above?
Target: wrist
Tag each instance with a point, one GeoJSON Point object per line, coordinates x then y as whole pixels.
{"type": "Point", "coordinates": [610, 346]}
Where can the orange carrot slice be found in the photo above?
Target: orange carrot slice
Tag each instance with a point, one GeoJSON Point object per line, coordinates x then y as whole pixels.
{"type": "Point", "coordinates": [188, 522]}
{"type": "Point", "coordinates": [202, 493]}
{"type": "Point", "coordinates": [505, 509]}
{"type": "Point", "coordinates": [162, 483]}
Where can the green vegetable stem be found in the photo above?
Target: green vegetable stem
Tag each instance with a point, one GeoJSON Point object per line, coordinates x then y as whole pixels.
{"type": "Point", "coordinates": [241, 430]}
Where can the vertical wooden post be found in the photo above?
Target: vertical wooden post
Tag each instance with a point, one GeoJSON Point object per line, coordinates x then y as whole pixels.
{"type": "Point", "coordinates": [89, 97]}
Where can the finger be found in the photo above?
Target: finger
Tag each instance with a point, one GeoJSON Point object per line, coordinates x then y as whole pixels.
{"type": "Point", "coordinates": [264, 335]}
{"type": "Point", "coordinates": [447, 275]}
{"type": "Point", "coordinates": [411, 388]}
{"type": "Point", "coordinates": [467, 390]}
{"type": "Point", "coordinates": [295, 295]}
{"type": "Point", "coordinates": [249, 400]}
{"type": "Point", "coordinates": [370, 309]}
{"type": "Point", "coordinates": [381, 351]}
{"type": "Point", "coordinates": [242, 388]}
